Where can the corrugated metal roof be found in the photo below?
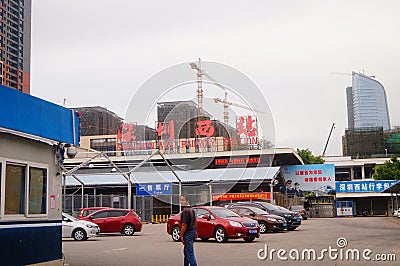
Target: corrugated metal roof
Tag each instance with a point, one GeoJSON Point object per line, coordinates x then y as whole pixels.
{"type": "Point", "coordinates": [206, 175]}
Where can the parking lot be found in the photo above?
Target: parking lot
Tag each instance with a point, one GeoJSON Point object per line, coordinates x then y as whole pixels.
{"type": "Point", "coordinates": [153, 246]}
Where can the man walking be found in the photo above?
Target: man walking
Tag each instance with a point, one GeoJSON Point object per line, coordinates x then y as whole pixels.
{"type": "Point", "coordinates": [188, 232]}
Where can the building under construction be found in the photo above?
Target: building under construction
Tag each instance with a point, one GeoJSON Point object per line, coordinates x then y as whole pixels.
{"type": "Point", "coordinates": [392, 141]}
{"type": "Point", "coordinates": [185, 117]}
{"type": "Point", "coordinates": [371, 142]}
{"type": "Point", "coordinates": [97, 120]}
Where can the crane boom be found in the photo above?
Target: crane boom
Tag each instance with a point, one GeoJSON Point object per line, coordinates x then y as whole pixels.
{"type": "Point", "coordinates": [218, 100]}
{"type": "Point", "coordinates": [327, 141]}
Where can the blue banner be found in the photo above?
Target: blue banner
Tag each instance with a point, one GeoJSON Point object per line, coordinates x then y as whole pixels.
{"type": "Point", "coordinates": [153, 189]}
{"type": "Point", "coordinates": [311, 177]}
{"type": "Point", "coordinates": [364, 186]}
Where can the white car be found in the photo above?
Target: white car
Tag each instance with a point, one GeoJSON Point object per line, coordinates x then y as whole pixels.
{"type": "Point", "coordinates": [396, 213]}
{"type": "Point", "coordinates": [78, 229]}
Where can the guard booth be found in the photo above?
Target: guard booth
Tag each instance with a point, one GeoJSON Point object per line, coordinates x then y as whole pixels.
{"type": "Point", "coordinates": [33, 135]}
{"type": "Point", "coordinates": [344, 208]}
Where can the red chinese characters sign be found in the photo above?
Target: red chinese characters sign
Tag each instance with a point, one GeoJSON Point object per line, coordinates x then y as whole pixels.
{"type": "Point", "coordinates": [205, 128]}
{"type": "Point", "coordinates": [242, 196]}
{"type": "Point", "coordinates": [166, 130]}
{"type": "Point", "coordinates": [246, 127]}
{"type": "Point", "coordinates": [128, 132]}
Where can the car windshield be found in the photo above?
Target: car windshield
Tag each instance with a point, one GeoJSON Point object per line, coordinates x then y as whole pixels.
{"type": "Point", "coordinates": [69, 217]}
{"type": "Point", "coordinates": [224, 213]}
{"type": "Point", "coordinates": [297, 208]}
{"type": "Point", "coordinates": [282, 208]}
{"type": "Point", "coordinates": [269, 206]}
{"type": "Point", "coordinates": [258, 210]}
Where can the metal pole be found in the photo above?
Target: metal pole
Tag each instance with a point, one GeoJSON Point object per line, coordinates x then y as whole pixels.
{"type": "Point", "coordinates": [272, 191]}
{"type": "Point", "coordinates": [65, 191]}
{"type": "Point", "coordinates": [177, 177]}
{"type": "Point", "coordinates": [211, 199]}
{"type": "Point", "coordinates": [129, 194]}
{"type": "Point", "coordinates": [82, 196]}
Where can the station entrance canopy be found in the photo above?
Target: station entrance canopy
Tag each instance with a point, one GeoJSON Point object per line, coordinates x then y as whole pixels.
{"type": "Point", "coordinates": [192, 176]}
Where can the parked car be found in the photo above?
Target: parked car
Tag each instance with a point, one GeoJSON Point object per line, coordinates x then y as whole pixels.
{"type": "Point", "coordinates": [87, 211]}
{"type": "Point", "coordinates": [300, 210]}
{"type": "Point", "coordinates": [293, 219]}
{"type": "Point", "coordinates": [78, 229]}
{"type": "Point", "coordinates": [112, 220]}
{"type": "Point", "coordinates": [267, 222]}
{"type": "Point", "coordinates": [217, 222]}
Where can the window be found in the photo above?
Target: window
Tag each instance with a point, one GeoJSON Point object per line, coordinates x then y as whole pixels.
{"type": "Point", "coordinates": [37, 191]}
{"type": "Point", "coordinates": [201, 212]}
{"type": "Point", "coordinates": [15, 189]}
{"type": "Point", "coordinates": [245, 212]}
{"type": "Point", "coordinates": [100, 215]}
{"type": "Point", "coordinates": [117, 213]}
{"type": "Point", "coordinates": [25, 190]}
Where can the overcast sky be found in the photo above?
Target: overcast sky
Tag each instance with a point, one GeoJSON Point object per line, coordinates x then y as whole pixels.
{"type": "Point", "coordinates": [95, 52]}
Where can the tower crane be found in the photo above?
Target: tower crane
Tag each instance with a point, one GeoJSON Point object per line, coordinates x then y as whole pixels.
{"type": "Point", "coordinates": [225, 102]}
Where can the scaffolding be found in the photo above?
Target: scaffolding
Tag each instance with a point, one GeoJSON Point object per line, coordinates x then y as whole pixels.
{"type": "Point", "coordinates": [363, 142]}
{"type": "Point", "coordinates": [98, 120]}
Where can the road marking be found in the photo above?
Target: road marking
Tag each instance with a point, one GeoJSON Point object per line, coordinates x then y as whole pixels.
{"type": "Point", "coordinates": [120, 249]}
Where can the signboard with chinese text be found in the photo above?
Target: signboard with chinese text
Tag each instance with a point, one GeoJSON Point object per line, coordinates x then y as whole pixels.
{"type": "Point", "coordinates": [242, 196]}
{"type": "Point", "coordinates": [153, 189]}
{"type": "Point", "coordinates": [246, 127]}
{"type": "Point", "coordinates": [364, 186]}
{"type": "Point", "coordinates": [311, 177]}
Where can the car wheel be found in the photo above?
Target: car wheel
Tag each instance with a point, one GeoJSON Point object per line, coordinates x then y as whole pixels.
{"type": "Point", "coordinates": [263, 227]}
{"type": "Point", "coordinates": [79, 234]}
{"type": "Point", "coordinates": [128, 230]}
{"type": "Point", "coordinates": [176, 234]}
{"type": "Point", "coordinates": [249, 239]}
{"type": "Point", "coordinates": [220, 235]}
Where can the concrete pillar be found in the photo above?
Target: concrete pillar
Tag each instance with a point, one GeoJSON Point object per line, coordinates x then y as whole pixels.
{"type": "Point", "coordinates": [362, 172]}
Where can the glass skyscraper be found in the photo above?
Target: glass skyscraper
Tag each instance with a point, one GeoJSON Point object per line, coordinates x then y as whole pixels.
{"type": "Point", "coordinates": [366, 103]}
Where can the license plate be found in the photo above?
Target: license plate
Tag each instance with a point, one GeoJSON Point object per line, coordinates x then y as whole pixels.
{"type": "Point", "coordinates": [252, 231]}
{"type": "Point", "coordinates": [284, 225]}
{"type": "Point", "coordinates": [298, 219]}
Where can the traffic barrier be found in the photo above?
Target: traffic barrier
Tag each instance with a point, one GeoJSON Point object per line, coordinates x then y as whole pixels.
{"type": "Point", "coordinates": [160, 218]}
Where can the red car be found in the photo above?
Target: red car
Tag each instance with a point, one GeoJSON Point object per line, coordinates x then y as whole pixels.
{"type": "Point", "coordinates": [112, 220]}
{"type": "Point", "coordinates": [219, 223]}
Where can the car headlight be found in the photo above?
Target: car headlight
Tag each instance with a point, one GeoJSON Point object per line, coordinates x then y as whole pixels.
{"type": "Point", "coordinates": [272, 219]}
{"type": "Point", "coordinates": [90, 226]}
{"type": "Point", "coordinates": [235, 224]}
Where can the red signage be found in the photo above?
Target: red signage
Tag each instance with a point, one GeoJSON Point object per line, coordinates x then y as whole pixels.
{"type": "Point", "coordinates": [246, 127]}
{"type": "Point", "coordinates": [166, 129]}
{"type": "Point", "coordinates": [253, 160]}
{"type": "Point", "coordinates": [242, 196]}
{"type": "Point", "coordinates": [205, 128]}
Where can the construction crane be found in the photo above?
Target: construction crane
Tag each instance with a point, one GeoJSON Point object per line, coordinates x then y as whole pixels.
{"type": "Point", "coordinates": [200, 74]}
{"type": "Point", "coordinates": [327, 141]}
{"type": "Point", "coordinates": [225, 102]}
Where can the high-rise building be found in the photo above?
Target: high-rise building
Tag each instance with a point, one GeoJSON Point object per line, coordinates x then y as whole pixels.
{"type": "Point", "coordinates": [15, 44]}
{"type": "Point", "coordinates": [366, 103]}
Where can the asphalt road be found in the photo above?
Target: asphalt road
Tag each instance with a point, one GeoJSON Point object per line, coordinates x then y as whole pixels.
{"type": "Point", "coordinates": [153, 246]}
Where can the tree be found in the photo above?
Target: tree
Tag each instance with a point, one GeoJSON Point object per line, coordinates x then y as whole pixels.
{"type": "Point", "coordinates": [390, 170]}
{"type": "Point", "coordinates": [308, 158]}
